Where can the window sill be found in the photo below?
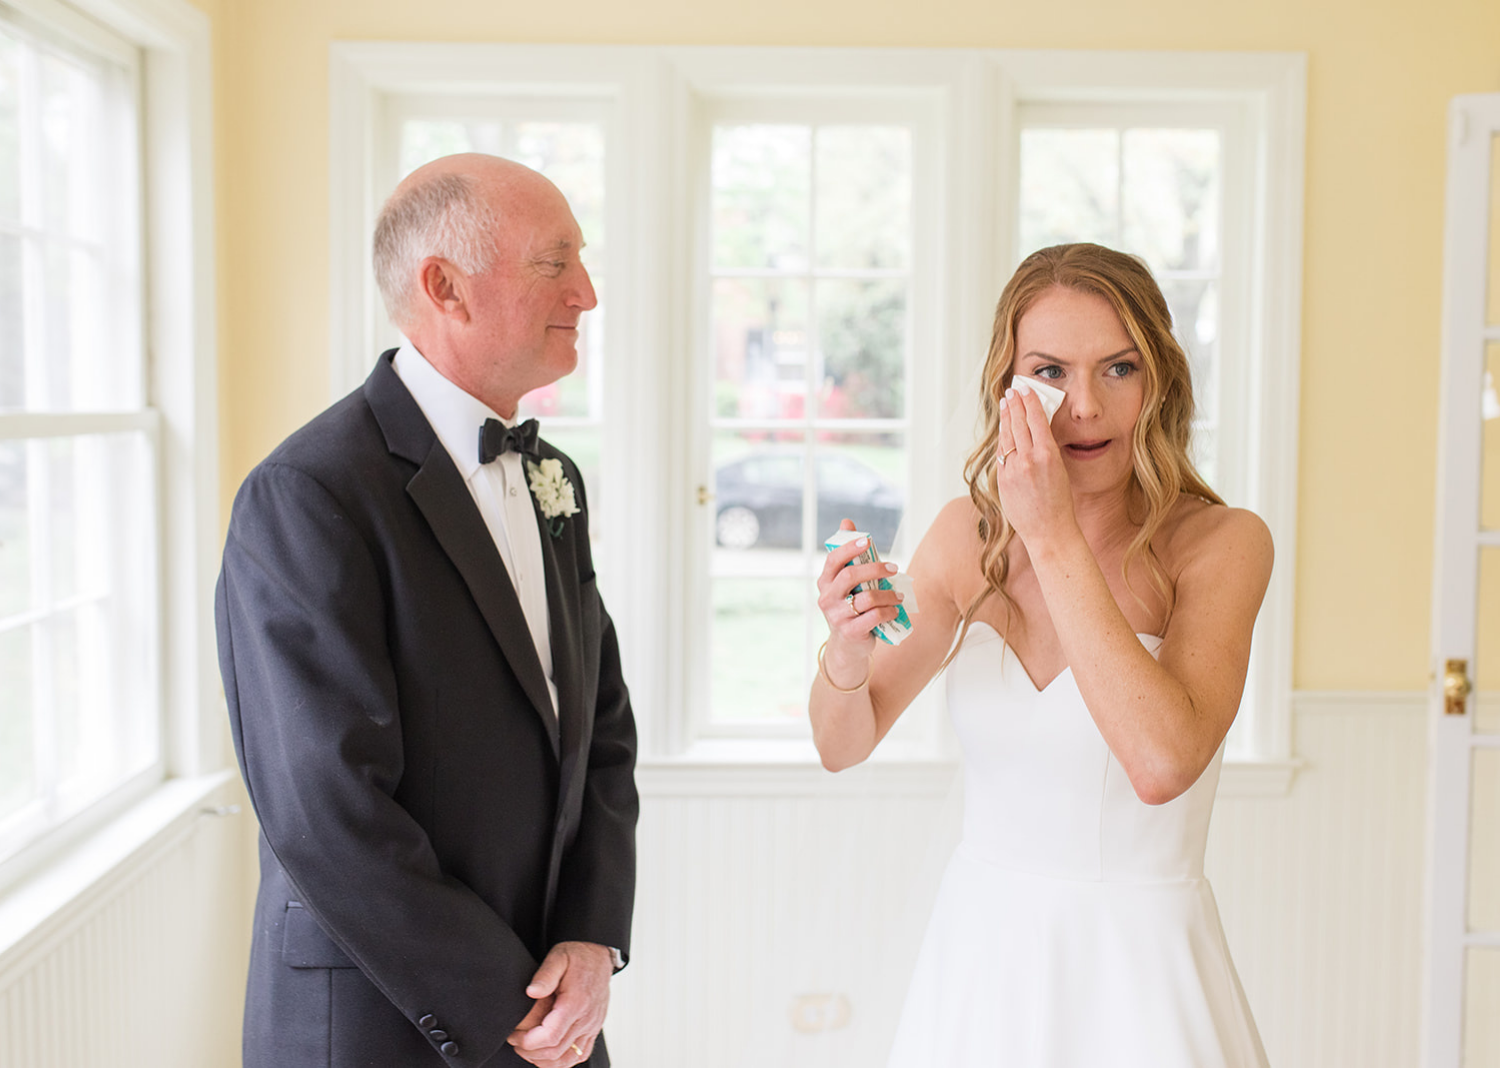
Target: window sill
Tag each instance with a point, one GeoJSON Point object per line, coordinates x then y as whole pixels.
{"type": "Point", "coordinates": [790, 768]}
{"type": "Point", "coordinates": [46, 899]}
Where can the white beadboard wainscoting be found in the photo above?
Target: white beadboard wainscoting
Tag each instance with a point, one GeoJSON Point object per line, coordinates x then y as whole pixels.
{"type": "Point", "coordinates": [777, 917]}
{"type": "Point", "coordinates": [144, 966]}
{"type": "Point", "coordinates": [776, 920]}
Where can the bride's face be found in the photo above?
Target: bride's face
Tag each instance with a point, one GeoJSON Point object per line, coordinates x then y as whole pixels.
{"type": "Point", "coordinates": [1075, 341]}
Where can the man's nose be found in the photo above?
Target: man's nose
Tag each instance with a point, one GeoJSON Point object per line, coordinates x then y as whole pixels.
{"type": "Point", "coordinates": [584, 296]}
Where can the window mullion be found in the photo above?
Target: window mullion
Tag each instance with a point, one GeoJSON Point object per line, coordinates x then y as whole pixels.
{"type": "Point", "coordinates": [43, 697]}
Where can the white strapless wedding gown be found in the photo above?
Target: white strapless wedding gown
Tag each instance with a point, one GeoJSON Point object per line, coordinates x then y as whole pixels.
{"type": "Point", "coordinates": [1074, 927]}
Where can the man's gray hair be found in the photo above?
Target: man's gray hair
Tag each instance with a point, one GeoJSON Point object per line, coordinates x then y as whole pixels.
{"type": "Point", "coordinates": [443, 216]}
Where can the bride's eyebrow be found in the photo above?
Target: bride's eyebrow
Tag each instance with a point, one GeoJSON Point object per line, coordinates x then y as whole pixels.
{"type": "Point", "coordinates": [1127, 351]}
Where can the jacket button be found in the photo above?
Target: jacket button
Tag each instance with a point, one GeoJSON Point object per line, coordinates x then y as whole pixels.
{"type": "Point", "coordinates": [449, 1049]}
{"type": "Point", "coordinates": [438, 1036]}
{"type": "Point", "coordinates": [427, 1021]}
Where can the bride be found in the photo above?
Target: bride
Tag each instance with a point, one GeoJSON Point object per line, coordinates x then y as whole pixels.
{"type": "Point", "coordinates": [1102, 598]}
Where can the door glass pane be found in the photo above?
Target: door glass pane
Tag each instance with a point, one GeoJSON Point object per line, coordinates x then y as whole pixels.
{"type": "Point", "coordinates": [1489, 456]}
{"type": "Point", "coordinates": [760, 196]}
{"type": "Point", "coordinates": [862, 345]}
{"type": "Point", "coordinates": [1484, 843]}
{"type": "Point", "coordinates": [1493, 316]}
{"type": "Point", "coordinates": [760, 348]}
{"type": "Point", "coordinates": [759, 479]}
{"type": "Point", "coordinates": [862, 476]}
{"type": "Point", "coordinates": [1070, 187]}
{"type": "Point", "coordinates": [863, 202]}
{"type": "Point", "coordinates": [1171, 197]}
{"type": "Point", "coordinates": [1485, 671]}
{"type": "Point", "coordinates": [1481, 996]}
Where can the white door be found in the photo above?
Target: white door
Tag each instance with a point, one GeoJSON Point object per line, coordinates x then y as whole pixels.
{"type": "Point", "coordinates": [1463, 921]}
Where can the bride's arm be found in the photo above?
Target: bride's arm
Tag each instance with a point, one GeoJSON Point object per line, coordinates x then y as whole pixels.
{"type": "Point", "coordinates": [1163, 718]}
{"type": "Point", "coordinates": [848, 725]}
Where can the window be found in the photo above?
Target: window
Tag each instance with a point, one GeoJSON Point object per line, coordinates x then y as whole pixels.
{"type": "Point", "coordinates": [108, 459]}
{"type": "Point", "coordinates": [805, 247]}
{"type": "Point", "coordinates": [79, 696]}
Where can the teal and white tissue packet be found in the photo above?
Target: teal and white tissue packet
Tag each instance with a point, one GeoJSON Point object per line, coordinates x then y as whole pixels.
{"type": "Point", "coordinates": [897, 630]}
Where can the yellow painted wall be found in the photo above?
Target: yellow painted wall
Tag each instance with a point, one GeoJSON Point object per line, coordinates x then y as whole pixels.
{"type": "Point", "coordinates": [1380, 76]}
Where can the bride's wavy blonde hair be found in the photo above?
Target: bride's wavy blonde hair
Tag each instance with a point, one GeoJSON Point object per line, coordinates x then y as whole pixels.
{"type": "Point", "coordinates": [1159, 445]}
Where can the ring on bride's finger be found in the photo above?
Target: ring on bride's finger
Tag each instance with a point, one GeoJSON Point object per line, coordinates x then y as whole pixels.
{"type": "Point", "coordinates": [850, 598]}
{"type": "Point", "coordinates": [1007, 452]}
{"type": "Point", "coordinates": [575, 1049]}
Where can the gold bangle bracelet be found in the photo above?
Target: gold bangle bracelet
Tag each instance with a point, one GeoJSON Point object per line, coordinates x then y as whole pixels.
{"type": "Point", "coordinates": [833, 685]}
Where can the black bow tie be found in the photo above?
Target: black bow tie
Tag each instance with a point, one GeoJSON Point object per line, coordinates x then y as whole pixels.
{"type": "Point", "coordinates": [496, 438]}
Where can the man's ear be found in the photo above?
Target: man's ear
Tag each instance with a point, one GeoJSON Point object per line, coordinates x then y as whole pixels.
{"type": "Point", "coordinates": [443, 288]}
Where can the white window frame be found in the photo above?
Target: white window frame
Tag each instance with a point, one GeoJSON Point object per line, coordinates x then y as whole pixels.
{"type": "Point", "coordinates": [655, 263]}
{"type": "Point", "coordinates": [181, 390]}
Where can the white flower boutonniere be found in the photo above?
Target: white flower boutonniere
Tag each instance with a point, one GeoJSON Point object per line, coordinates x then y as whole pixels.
{"type": "Point", "coordinates": [553, 493]}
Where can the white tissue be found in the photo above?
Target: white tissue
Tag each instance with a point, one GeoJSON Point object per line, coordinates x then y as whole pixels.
{"type": "Point", "coordinates": [1050, 396]}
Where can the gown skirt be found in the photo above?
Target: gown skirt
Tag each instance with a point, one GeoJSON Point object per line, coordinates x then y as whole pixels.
{"type": "Point", "coordinates": [1073, 927]}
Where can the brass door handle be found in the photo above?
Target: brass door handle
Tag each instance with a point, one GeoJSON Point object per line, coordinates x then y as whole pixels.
{"type": "Point", "coordinates": [704, 495]}
{"type": "Point", "coordinates": [1456, 687]}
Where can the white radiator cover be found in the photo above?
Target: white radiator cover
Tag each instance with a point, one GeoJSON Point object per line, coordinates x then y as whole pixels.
{"type": "Point", "coordinates": [146, 969]}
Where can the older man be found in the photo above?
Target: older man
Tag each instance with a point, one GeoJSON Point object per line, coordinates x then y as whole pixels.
{"type": "Point", "coordinates": [423, 684]}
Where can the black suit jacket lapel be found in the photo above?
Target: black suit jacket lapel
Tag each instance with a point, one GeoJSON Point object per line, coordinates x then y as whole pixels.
{"type": "Point", "coordinates": [439, 492]}
{"type": "Point", "coordinates": [567, 635]}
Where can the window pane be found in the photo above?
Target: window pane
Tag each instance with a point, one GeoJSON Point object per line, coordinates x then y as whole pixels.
{"type": "Point", "coordinates": [12, 326]}
{"type": "Point", "coordinates": [862, 476]}
{"type": "Point", "coordinates": [759, 477]}
{"type": "Point", "coordinates": [862, 341]}
{"type": "Point", "coordinates": [759, 649]}
{"type": "Point", "coordinates": [1489, 456]}
{"type": "Point", "coordinates": [760, 343]}
{"type": "Point", "coordinates": [10, 129]}
{"type": "Point", "coordinates": [1171, 208]}
{"type": "Point", "coordinates": [1195, 322]}
{"type": "Point", "coordinates": [77, 549]}
{"type": "Point", "coordinates": [71, 134]}
{"type": "Point", "coordinates": [760, 196]}
{"type": "Point", "coordinates": [1070, 183]}
{"type": "Point", "coordinates": [17, 742]}
{"type": "Point", "coordinates": [70, 286]}
{"type": "Point", "coordinates": [863, 197]}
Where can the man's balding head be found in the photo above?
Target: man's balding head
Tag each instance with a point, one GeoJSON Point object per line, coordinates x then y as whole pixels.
{"type": "Point", "coordinates": [449, 208]}
{"type": "Point", "coordinates": [478, 260]}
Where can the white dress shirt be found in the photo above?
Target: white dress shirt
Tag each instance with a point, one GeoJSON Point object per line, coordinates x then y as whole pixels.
{"type": "Point", "coordinates": [499, 489]}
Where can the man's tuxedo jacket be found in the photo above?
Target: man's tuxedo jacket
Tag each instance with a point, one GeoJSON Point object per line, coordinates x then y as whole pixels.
{"type": "Point", "coordinates": [429, 827]}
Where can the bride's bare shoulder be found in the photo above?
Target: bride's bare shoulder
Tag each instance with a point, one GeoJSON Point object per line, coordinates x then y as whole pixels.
{"type": "Point", "coordinates": [1199, 530]}
{"type": "Point", "coordinates": [951, 542]}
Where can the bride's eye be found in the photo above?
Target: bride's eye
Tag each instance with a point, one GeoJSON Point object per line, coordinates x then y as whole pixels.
{"type": "Point", "coordinates": [1051, 370]}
